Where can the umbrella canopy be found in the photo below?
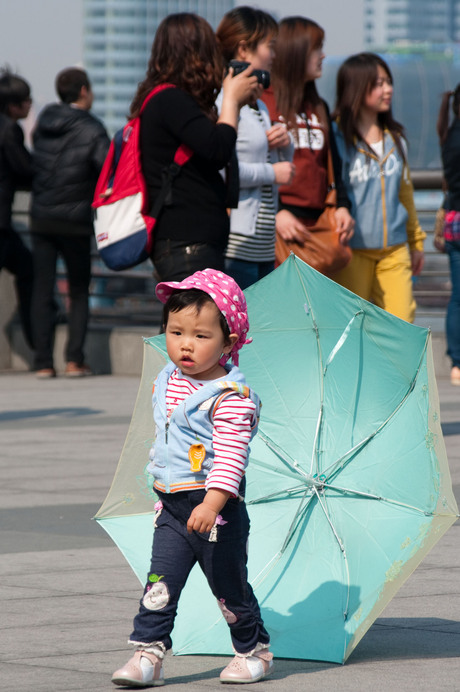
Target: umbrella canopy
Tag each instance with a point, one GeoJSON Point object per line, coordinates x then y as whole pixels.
{"type": "Point", "coordinates": [348, 485]}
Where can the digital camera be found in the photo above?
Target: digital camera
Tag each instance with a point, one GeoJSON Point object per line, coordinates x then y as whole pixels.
{"type": "Point", "coordinates": [263, 76]}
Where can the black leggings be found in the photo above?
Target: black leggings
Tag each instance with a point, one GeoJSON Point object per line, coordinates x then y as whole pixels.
{"type": "Point", "coordinates": [76, 251]}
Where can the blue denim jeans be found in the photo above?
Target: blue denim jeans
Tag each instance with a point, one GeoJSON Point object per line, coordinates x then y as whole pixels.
{"type": "Point", "coordinates": [175, 552]}
{"type": "Point", "coordinates": [247, 273]}
{"type": "Point", "coordinates": [453, 309]}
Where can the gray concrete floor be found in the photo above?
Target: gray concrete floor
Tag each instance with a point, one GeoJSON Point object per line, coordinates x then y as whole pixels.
{"type": "Point", "coordinates": [67, 596]}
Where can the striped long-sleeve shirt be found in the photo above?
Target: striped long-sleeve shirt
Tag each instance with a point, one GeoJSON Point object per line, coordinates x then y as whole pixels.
{"type": "Point", "coordinates": [233, 420]}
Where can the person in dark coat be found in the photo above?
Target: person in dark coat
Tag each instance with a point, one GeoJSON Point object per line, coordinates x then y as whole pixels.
{"type": "Point", "coordinates": [15, 173]}
{"type": "Point", "coordinates": [70, 146]}
{"type": "Point", "coordinates": [449, 138]}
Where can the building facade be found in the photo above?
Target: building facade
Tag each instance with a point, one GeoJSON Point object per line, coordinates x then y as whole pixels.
{"type": "Point", "coordinates": [118, 36]}
{"type": "Point", "coordinates": [388, 22]}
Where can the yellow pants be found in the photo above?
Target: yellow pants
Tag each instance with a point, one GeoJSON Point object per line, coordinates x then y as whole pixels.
{"type": "Point", "coordinates": [384, 277]}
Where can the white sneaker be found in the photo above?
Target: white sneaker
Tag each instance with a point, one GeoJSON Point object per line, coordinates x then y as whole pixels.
{"type": "Point", "coordinates": [244, 669]}
{"type": "Point", "coordinates": [144, 669]}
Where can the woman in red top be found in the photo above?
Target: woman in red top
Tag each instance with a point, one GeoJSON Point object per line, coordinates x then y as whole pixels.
{"type": "Point", "coordinates": [294, 100]}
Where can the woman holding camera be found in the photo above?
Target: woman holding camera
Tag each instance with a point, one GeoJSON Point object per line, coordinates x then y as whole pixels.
{"type": "Point", "coordinates": [294, 101]}
{"type": "Point", "coordinates": [192, 231]}
{"type": "Point", "coordinates": [264, 150]}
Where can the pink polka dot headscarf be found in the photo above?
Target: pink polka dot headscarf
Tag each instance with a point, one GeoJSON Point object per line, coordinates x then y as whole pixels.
{"type": "Point", "coordinates": [226, 294]}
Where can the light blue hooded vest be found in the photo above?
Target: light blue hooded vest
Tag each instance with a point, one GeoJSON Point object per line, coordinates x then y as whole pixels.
{"type": "Point", "coordinates": [373, 187]}
{"type": "Point", "coordinates": [190, 423]}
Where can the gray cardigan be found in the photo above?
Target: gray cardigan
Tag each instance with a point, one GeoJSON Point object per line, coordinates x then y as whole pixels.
{"type": "Point", "coordinates": [254, 171]}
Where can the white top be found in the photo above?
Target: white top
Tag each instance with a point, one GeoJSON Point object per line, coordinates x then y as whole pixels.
{"type": "Point", "coordinates": [377, 147]}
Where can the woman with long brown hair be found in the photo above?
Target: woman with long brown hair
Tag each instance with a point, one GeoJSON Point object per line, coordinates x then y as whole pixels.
{"type": "Point", "coordinates": [388, 241]}
{"type": "Point", "coordinates": [294, 101]}
{"type": "Point", "coordinates": [192, 231]}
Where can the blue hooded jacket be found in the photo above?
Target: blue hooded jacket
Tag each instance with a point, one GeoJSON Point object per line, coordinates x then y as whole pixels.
{"type": "Point", "coordinates": [190, 423]}
{"type": "Point", "coordinates": [374, 186]}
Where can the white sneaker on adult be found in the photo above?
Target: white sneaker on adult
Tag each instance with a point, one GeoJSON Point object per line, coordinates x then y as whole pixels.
{"type": "Point", "coordinates": [144, 669]}
{"type": "Point", "coordinates": [246, 669]}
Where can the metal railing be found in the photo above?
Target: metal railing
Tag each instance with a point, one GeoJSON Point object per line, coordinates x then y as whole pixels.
{"type": "Point", "coordinates": [128, 298]}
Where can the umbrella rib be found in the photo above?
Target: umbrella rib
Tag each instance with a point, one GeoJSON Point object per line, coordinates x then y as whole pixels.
{"type": "Point", "coordinates": [263, 574]}
{"type": "Point", "coordinates": [360, 445]}
{"type": "Point", "coordinates": [331, 357]}
{"type": "Point", "coordinates": [322, 369]}
{"type": "Point", "coordinates": [300, 508]}
{"type": "Point", "coordinates": [341, 546]}
{"type": "Point", "coordinates": [292, 463]}
{"type": "Point", "coordinates": [315, 441]}
{"type": "Point", "coordinates": [341, 340]}
{"type": "Point", "coordinates": [371, 496]}
{"type": "Point", "coordinates": [278, 493]}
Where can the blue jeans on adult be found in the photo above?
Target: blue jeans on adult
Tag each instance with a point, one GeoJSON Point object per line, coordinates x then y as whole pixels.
{"type": "Point", "coordinates": [453, 309]}
{"type": "Point", "coordinates": [247, 273]}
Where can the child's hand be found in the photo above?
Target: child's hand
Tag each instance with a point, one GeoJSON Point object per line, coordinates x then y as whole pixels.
{"type": "Point", "coordinates": [202, 519]}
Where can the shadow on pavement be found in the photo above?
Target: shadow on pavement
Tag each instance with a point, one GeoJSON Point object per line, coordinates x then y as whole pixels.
{"type": "Point", "coordinates": [451, 428]}
{"type": "Point", "coordinates": [409, 638]}
{"type": "Point", "coordinates": [68, 412]}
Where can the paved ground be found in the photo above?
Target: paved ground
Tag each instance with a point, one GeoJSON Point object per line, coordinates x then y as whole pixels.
{"type": "Point", "coordinates": [67, 597]}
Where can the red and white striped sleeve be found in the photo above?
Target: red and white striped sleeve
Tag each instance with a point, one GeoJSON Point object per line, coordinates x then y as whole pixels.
{"type": "Point", "coordinates": [178, 389]}
{"type": "Point", "coordinates": [234, 420]}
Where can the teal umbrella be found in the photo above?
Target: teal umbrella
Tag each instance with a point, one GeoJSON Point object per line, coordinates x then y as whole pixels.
{"type": "Point", "coordinates": [348, 485]}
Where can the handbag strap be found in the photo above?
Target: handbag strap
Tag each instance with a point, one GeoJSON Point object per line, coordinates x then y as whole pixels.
{"type": "Point", "coordinates": [182, 154]}
{"type": "Point", "coordinates": [331, 197]}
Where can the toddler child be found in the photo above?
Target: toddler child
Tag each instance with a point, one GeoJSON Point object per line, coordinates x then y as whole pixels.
{"type": "Point", "coordinates": [205, 416]}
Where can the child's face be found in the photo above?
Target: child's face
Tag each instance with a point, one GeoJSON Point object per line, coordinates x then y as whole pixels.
{"type": "Point", "coordinates": [195, 341]}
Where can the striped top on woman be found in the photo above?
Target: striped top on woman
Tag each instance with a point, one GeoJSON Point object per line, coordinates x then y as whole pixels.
{"type": "Point", "coordinates": [259, 247]}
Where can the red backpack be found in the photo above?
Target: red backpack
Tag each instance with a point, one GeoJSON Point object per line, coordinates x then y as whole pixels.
{"type": "Point", "coordinates": [123, 221]}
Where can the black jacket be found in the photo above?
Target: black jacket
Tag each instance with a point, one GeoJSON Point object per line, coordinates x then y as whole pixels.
{"type": "Point", "coordinates": [70, 146]}
{"type": "Point", "coordinates": [15, 166]}
{"type": "Point", "coordinates": [197, 212]}
{"type": "Point", "coordinates": [451, 164]}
